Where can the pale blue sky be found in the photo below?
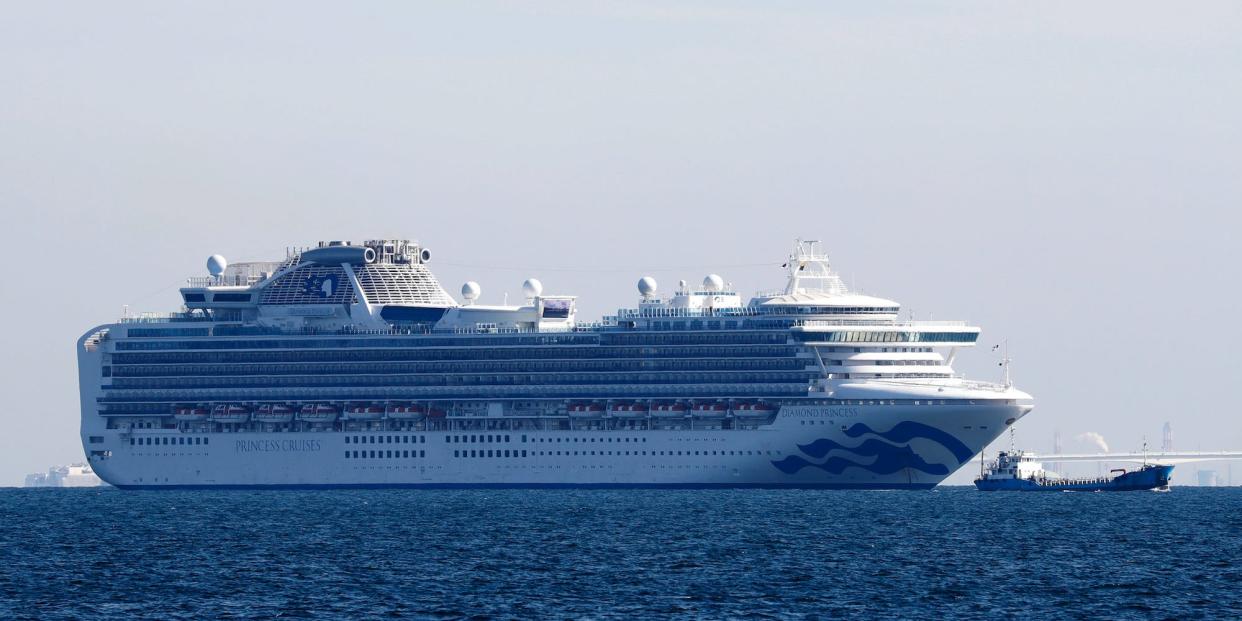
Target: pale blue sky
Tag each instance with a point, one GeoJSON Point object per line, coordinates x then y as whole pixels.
{"type": "Point", "coordinates": [1066, 175]}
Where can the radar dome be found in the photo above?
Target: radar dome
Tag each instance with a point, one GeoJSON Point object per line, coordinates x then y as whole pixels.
{"type": "Point", "coordinates": [216, 265]}
{"type": "Point", "coordinates": [470, 291]}
{"type": "Point", "coordinates": [532, 288]}
{"type": "Point", "coordinates": [713, 282]}
{"type": "Point", "coordinates": [647, 286]}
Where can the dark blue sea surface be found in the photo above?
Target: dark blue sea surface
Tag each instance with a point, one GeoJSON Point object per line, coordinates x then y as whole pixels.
{"type": "Point", "coordinates": [948, 553]}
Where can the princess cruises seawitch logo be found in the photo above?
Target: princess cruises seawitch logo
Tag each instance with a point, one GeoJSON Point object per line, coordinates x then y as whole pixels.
{"type": "Point", "coordinates": [881, 452]}
{"type": "Point", "coordinates": [320, 286]}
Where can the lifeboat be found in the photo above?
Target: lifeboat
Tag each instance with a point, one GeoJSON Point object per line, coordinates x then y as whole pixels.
{"type": "Point", "coordinates": [586, 410]}
{"type": "Point", "coordinates": [360, 411]}
{"type": "Point", "coordinates": [711, 411]}
{"type": "Point", "coordinates": [190, 413]}
{"type": "Point", "coordinates": [436, 413]}
{"type": "Point", "coordinates": [273, 413]}
{"type": "Point", "coordinates": [668, 410]}
{"type": "Point", "coordinates": [318, 413]}
{"type": "Point", "coordinates": [753, 411]}
{"type": "Point", "coordinates": [628, 410]}
{"type": "Point", "coordinates": [230, 414]}
{"type": "Point", "coordinates": [405, 411]}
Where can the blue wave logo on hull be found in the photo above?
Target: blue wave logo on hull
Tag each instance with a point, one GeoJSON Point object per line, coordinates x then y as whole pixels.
{"type": "Point", "coordinates": [889, 458]}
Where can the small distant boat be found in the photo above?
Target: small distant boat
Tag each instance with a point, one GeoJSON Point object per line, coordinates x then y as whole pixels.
{"type": "Point", "coordinates": [1020, 472]}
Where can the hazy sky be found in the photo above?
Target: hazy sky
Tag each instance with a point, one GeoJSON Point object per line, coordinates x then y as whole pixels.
{"type": "Point", "coordinates": [1067, 175]}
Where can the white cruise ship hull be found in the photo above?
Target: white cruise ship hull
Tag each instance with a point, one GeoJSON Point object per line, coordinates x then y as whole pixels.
{"type": "Point", "coordinates": [866, 447]}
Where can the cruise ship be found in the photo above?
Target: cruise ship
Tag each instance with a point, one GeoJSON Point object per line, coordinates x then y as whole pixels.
{"type": "Point", "coordinates": [349, 365]}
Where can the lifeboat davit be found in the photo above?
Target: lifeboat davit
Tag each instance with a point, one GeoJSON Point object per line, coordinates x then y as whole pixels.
{"type": "Point", "coordinates": [273, 413]}
{"type": "Point", "coordinates": [364, 412]}
{"type": "Point", "coordinates": [586, 410]}
{"type": "Point", "coordinates": [230, 414]}
{"type": "Point", "coordinates": [405, 411]}
{"type": "Point", "coordinates": [668, 410]}
{"type": "Point", "coordinates": [628, 410]}
{"type": "Point", "coordinates": [318, 413]}
{"type": "Point", "coordinates": [711, 411]}
{"type": "Point", "coordinates": [753, 411]}
{"type": "Point", "coordinates": [436, 413]}
{"type": "Point", "coordinates": [190, 413]}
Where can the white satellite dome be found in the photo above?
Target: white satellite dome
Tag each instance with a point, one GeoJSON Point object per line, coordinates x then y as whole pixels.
{"type": "Point", "coordinates": [647, 286]}
{"type": "Point", "coordinates": [470, 291]}
{"type": "Point", "coordinates": [713, 282]}
{"type": "Point", "coordinates": [532, 288]}
{"type": "Point", "coordinates": [216, 265]}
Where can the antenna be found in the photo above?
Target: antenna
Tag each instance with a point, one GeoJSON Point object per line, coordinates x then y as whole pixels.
{"type": "Point", "coordinates": [1004, 363]}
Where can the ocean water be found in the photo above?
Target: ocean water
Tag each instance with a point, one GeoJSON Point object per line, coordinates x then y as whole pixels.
{"type": "Point", "coordinates": [948, 553]}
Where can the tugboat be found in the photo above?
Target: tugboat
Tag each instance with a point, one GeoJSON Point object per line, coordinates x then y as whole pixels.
{"type": "Point", "coordinates": [1019, 471]}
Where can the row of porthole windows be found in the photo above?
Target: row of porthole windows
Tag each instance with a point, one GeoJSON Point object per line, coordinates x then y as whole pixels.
{"type": "Point", "coordinates": [386, 454]}
{"type": "Point", "coordinates": [404, 439]}
{"type": "Point", "coordinates": [490, 453]}
{"type": "Point", "coordinates": [484, 438]}
{"type": "Point", "coordinates": [654, 453]}
{"type": "Point", "coordinates": [170, 441]}
{"type": "Point", "coordinates": [585, 440]}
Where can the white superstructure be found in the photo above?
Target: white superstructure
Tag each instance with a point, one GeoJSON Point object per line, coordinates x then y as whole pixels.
{"type": "Point", "coordinates": [349, 365]}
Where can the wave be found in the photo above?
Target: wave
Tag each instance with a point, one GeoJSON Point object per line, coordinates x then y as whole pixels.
{"type": "Point", "coordinates": [889, 458]}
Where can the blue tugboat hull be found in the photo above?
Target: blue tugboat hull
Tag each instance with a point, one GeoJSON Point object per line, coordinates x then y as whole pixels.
{"type": "Point", "coordinates": [1149, 477]}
